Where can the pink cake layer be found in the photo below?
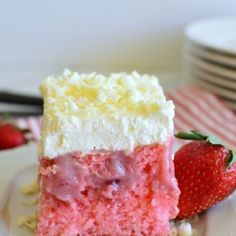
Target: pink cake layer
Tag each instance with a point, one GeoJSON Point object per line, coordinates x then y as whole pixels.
{"type": "Point", "coordinates": [108, 193]}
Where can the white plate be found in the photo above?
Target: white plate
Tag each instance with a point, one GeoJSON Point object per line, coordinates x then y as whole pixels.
{"type": "Point", "coordinates": [210, 67]}
{"type": "Point", "coordinates": [217, 33]}
{"type": "Point", "coordinates": [214, 79]}
{"type": "Point", "coordinates": [211, 55]}
{"type": "Point", "coordinates": [223, 92]}
{"type": "Point", "coordinates": [16, 170]}
{"type": "Point", "coordinates": [231, 104]}
{"type": "Point", "coordinates": [19, 167]}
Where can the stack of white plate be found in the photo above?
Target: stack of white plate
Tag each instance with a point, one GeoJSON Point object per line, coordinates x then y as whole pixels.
{"type": "Point", "coordinates": [210, 56]}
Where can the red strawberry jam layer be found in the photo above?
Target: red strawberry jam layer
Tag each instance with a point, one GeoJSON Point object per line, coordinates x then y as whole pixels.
{"type": "Point", "coordinates": [108, 193]}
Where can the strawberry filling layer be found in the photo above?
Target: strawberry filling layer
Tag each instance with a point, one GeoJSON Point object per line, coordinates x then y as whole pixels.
{"type": "Point", "coordinates": [69, 176]}
{"type": "Point", "coordinates": [86, 194]}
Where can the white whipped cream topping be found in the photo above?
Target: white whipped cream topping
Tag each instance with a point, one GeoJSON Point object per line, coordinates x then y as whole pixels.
{"type": "Point", "coordinates": [65, 129]}
{"type": "Point", "coordinates": [120, 133]}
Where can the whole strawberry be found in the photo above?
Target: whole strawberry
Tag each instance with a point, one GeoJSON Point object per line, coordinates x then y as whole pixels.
{"type": "Point", "coordinates": [11, 136]}
{"type": "Point", "coordinates": [205, 171]}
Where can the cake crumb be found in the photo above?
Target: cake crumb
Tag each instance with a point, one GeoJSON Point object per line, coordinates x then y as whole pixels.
{"type": "Point", "coordinates": [182, 228]}
{"type": "Point", "coordinates": [31, 203]}
{"type": "Point", "coordinates": [185, 229]}
{"type": "Point", "coordinates": [28, 222]}
{"type": "Point", "coordinates": [173, 232]}
{"type": "Point", "coordinates": [30, 189]}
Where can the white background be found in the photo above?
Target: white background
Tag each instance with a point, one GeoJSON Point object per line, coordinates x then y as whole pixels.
{"type": "Point", "coordinates": [41, 37]}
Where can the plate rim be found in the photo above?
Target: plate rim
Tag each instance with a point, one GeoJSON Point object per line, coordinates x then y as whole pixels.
{"type": "Point", "coordinates": [217, 90]}
{"type": "Point", "coordinates": [210, 55]}
{"type": "Point", "coordinates": [191, 32]}
{"type": "Point", "coordinates": [219, 81]}
{"type": "Point", "coordinates": [219, 70]}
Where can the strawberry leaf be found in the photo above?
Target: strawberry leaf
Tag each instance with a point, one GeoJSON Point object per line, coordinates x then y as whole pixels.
{"type": "Point", "coordinates": [214, 140]}
{"type": "Point", "coordinates": [231, 158]}
{"type": "Point", "coordinates": [200, 135]}
{"type": "Point", "coordinates": [189, 136]}
{"type": "Point", "coordinates": [196, 135]}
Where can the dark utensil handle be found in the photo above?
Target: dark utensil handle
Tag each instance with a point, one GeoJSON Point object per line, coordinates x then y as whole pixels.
{"type": "Point", "coordinates": [20, 113]}
{"type": "Point", "coordinates": [15, 98]}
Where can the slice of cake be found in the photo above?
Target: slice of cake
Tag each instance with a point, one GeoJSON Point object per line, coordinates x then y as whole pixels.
{"type": "Point", "coordinates": [105, 157]}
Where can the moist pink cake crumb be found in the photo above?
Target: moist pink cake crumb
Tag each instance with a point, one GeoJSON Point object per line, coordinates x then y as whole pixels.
{"type": "Point", "coordinates": [107, 193]}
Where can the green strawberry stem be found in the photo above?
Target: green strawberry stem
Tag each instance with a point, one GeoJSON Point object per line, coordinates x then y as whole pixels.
{"type": "Point", "coordinates": [231, 157]}
{"type": "Point", "coordinates": [196, 135]}
{"type": "Point", "coordinates": [25, 131]}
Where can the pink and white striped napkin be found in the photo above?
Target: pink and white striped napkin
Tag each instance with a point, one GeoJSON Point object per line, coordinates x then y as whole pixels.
{"type": "Point", "coordinates": [200, 110]}
{"type": "Point", "coordinates": [195, 109]}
